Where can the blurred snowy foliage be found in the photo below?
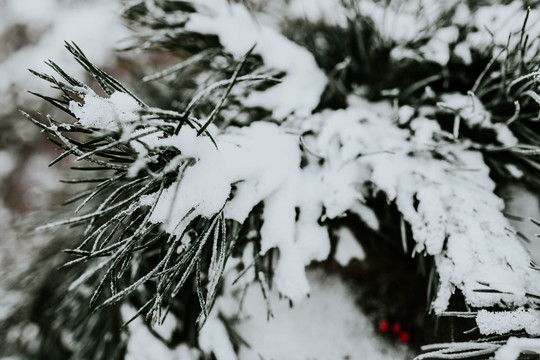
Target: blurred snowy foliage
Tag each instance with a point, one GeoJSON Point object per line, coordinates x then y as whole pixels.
{"type": "Point", "coordinates": [32, 31]}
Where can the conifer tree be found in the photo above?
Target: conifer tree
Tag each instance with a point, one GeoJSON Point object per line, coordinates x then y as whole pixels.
{"type": "Point", "coordinates": [243, 163]}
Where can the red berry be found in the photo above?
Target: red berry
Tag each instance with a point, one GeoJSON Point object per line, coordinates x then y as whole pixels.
{"type": "Point", "coordinates": [384, 326]}
{"type": "Point", "coordinates": [404, 337]}
{"type": "Point", "coordinates": [396, 328]}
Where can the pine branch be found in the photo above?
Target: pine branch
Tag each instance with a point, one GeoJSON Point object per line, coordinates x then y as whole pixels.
{"type": "Point", "coordinates": [117, 224]}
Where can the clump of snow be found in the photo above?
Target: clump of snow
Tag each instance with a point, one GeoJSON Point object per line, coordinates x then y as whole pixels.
{"type": "Point", "coordinates": [348, 247]}
{"type": "Point", "coordinates": [238, 31]}
{"type": "Point", "coordinates": [214, 339]}
{"type": "Point", "coordinates": [424, 131]}
{"type": "Point", "coordinates": [503, 322]}
{"type": "Point", "coordinates": [166, 328]}
{"type": "Point", "coordinates": [463, 51]}
{"type": "Point", "coordinates": [142, 345]}
{"type": "Point", "coordinates": [262, 161]}
{"type": "Point", "coordinates": [438, 47]}
{"type": "Point", "coordinates": [405, 113]}
{"type": "Point", "coordinates": [514, 171]}
{"type": "Point", "coordinates": [105, 113]}
{"type": "Point", "coordinates": [462, 14]}
{"type": "Point", "coordinates": [257, 157]}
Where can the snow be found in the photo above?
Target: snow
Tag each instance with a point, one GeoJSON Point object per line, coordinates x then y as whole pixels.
{"type": "Point", "coordinates": [258, 158]}
{"type": "Point", "coordinates": [437, 49]}
{"type": "Point", "coordinates": [395, 25]}
{"type": "Point", "coordinates": [502, 322]}
{"type": "Point", "coordinates": [105, 113]}
{"type": "Point", "coordinates": [367, 215]}
{"type": "Point", "coordinates": [238, 31]}
{"type": "Point", "coordinates": [278, 230]}
{"type": "Point", "coordinates": [213, 339]}
{"type": "Point", "coordinates": [269, 170]}
{"type": "Point", "coordinates": [514, 171]}
{"type": "Point", "coordinates": [348, 247]}
{"type": "Point", "coordinates": [514, 346]}
{"type": "Point", "coordinates": [166, 328]}
{"type": "Point", "coordinates": [142, 345]}
{"type": "Point", "coordinates": [405, 113]}
{"type": "Point", "coordinates": [463, 51]}
{"type": "Point", "coordinates": [261, 161]}
{"type": "Point", "coordinates": [455, 202]}
{"type": "Point", "coordinates": [500, 20]}
{"type": "Point", "coordinates": [462, 14]}
{"type": "Point", "coordinates": [328, 325]}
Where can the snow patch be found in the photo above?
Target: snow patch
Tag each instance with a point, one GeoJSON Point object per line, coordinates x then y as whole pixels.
{"type": "Point", "coordinates": [214, 339]}
{"type": "Point", "coordinates": [348, 247]}
{"type": "Point", "coordinates": [105, 113]}
{"type": "Point", "coordinates": [328, 325]}
{"type": "Point", "coordinates": [515, 346]}
{"type": "Point", "coordinates": [503, 322]}
{"type": "Point", "coordinates": [142, 345]}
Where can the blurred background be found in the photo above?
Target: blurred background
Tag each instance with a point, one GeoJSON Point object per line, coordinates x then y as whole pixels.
{"type": "Point", "coordinates": [32, 31]}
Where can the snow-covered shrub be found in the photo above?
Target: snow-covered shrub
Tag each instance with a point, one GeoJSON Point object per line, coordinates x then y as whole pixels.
{"type": "Point", "coordinates": [301, 115]}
